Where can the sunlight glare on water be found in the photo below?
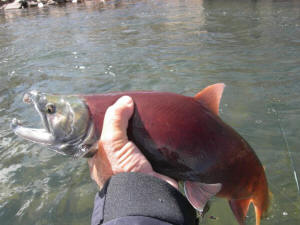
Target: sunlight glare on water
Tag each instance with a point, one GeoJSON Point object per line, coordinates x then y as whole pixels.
{"type": "Point", "coordinates": [178, 46]}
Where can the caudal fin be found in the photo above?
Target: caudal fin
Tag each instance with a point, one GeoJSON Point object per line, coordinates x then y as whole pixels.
{"type": "Point", "coordinates": [260, 200]}
{"type": "Point", "coordinates": [240, 208]}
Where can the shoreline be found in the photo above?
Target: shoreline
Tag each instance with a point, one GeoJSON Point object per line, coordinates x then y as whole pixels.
{"type": "Point", "coordinates": [7, 5]}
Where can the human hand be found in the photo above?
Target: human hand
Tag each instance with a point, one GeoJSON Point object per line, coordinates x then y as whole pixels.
{"type": "Point", "coordinates": [116, 154]}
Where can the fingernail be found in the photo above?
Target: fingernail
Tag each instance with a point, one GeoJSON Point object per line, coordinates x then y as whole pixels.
{"type": "Point", "coordinates": [125, 100]}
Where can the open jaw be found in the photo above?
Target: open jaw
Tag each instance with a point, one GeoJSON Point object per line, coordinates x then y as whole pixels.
{"type": "Point", "coordinates": [41, 136]}
{"type": "Point", "coordinates": [67, 126]}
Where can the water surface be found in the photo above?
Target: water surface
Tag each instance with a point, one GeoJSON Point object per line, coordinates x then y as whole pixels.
{"type": "Point", "coordinates": [178, 46]}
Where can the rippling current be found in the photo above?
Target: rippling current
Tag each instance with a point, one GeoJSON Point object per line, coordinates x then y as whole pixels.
{"type": "Point", "coordinates": [177, 46]}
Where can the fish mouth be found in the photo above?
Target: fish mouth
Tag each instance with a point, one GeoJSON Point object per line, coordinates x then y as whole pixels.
{"type": "Point", "coordinates": [40, 136]}
{"type": "Point", "coordinates": [73, 134]}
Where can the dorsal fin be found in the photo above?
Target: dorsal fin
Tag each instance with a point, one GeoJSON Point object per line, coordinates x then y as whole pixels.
{"type": "Point", "coordinates": [211, 96]}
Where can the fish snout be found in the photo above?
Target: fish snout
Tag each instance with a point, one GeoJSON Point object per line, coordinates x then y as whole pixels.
{"type": "Point", "coordinates": [31, 97]}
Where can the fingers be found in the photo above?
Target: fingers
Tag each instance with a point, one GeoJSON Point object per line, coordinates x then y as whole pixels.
{"type": "Point", "coordinates": [115, 123]}
{"type": "Point", "coordinates": [100, 168]}
{"type": "Point", "coordinates": [115, 153]}
{"type": "Point", "coordinates": [169, 180]}
{"type": "Point", "coordinates": [91, 167]}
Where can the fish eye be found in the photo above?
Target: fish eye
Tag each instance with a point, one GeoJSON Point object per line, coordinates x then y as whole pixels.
{"type": "Point", "coordinates": [50, 108]}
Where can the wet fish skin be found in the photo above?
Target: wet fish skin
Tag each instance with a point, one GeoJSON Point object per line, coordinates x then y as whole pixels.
{"type": "Point", "coordinates": [184, 138]}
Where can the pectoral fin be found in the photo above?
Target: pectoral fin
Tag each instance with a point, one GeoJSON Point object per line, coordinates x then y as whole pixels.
{"type": "Point", "coordinates": [199, 193]}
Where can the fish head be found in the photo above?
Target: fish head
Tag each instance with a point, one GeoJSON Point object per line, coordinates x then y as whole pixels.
{"type": "Point", "coordinates": [68, 127]}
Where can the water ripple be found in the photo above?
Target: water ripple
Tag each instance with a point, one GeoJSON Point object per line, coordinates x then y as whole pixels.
{"type": "Point", "coordinates": [178, 46]}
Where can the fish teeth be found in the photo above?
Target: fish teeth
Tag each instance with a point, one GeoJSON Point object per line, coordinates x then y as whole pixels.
{"type": "Point", "coordinates": [15, 123]}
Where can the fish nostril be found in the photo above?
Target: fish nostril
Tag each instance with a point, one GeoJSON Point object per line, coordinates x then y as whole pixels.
{"type": "Point", "coordinates": [32, 96]}
{"type": "Point", "coordinates": [27, 98]}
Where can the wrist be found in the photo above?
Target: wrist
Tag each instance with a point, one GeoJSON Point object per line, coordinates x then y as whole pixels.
{"type": "Point", "coordinates": [138, 194]}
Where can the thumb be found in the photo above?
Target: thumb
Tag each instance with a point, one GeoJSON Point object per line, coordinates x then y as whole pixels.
{"type": "Point", "coordinates": [114, 131]}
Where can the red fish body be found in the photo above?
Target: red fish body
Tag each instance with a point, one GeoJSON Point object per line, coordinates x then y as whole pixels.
{"type": "Point", "coordinates": [184, 138]}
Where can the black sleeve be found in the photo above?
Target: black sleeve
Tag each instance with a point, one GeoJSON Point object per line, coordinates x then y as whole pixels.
{"type": "Point", "coordinates": [136, 198]}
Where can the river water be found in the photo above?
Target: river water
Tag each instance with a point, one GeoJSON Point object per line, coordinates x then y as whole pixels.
{"type": "Point", "coordinates": [178, 46]}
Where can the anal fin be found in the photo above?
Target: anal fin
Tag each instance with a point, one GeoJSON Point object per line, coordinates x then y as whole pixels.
{"type": "Point", "coordinates": [240, 208]}
{"type": "Point", "coordinates": [199, 193]}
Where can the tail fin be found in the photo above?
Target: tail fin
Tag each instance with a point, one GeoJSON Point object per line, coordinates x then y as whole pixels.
{"type": "Point", "coordinates": [240, 208]}
{"type": "Point", "coordinates": [260, 200]}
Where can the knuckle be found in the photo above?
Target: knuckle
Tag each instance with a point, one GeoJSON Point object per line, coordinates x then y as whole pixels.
{"type": "Point", "coordinates": [111, 143]}
{"type": "Point", "coordinates": [130, 146]}
{"type": "Point", "coordinates": [110, 110]}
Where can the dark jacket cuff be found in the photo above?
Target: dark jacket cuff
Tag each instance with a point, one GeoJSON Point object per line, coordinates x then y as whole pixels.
{"type": "Point", "coordinates": [137, 194]}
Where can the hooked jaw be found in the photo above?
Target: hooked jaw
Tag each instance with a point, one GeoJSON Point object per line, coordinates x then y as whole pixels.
{"type": "Point", "coordinates": [68, 128]}
{"type": "Point", "coordinates": [40, 136]}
